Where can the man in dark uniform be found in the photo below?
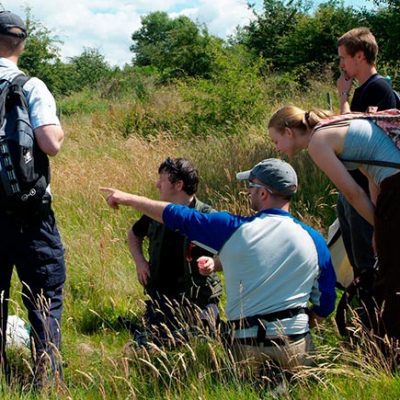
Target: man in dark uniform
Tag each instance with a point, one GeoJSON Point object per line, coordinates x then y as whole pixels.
{"type": "Point", "coordinates": [29, 238]}
{"type": "Point", "coordinates": [170, 275]}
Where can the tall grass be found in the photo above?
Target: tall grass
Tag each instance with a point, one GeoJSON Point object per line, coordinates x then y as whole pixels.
{"type": "Point", "coordinates": [102, 284]}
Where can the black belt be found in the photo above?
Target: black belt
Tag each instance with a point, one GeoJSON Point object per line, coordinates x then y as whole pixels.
{"type": "Point", "coordinates": [248, 322]}
{"type": "Point", "coordinates": [257, 320]}
{"type": "Point", "coordinates": [279, 341]}
{"type": "Point", "coordinates": [41, 210]}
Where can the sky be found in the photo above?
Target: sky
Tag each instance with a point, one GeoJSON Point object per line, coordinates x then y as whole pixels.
{"type": "Point", "coordinates": [107, 25]}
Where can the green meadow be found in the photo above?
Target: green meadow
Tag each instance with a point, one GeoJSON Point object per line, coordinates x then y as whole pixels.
{"type": "Point", "coordinates": [119, 141]}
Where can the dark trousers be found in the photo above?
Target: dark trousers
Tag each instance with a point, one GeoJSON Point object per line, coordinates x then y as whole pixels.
{"type": "Point", "coordinates": [33, 246]}
{"type": "Point", "coordinates": [173, 311]}
{"type": "Point", "coordinates": [387, 234]}
{"type": "Point", "coordinates": [177, 316]}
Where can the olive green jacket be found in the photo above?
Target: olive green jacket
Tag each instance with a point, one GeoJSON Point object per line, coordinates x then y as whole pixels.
{"type": "Point", "coordinates": [199, 289]}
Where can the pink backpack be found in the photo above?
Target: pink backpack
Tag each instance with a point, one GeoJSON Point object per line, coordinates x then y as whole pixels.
{"type": "Point", "coordinates": [387, 120]}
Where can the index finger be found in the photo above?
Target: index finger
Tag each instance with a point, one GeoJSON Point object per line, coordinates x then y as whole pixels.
{"type": "Point", "coordinates": [106, 190]}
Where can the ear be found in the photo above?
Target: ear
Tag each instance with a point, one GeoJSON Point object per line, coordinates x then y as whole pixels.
{"type": "Point", "coordinates": [179, 185]}
{"type": "Point", "coordinates": [264, 193]}
{"type": "Point", "coordinates": [289, 132]}
{"type": "Point", "coordinates": [359, 56]}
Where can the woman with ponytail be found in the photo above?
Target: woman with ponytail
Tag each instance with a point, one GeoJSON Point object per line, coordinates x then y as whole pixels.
{"type": "Point", "coordinates": [329, 144]}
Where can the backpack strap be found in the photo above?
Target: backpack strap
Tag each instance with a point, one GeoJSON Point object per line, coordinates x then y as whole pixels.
{"type": "Point", "coordinates": [20, 80]}
{"type": "Point", "coordinates": [379, 163]}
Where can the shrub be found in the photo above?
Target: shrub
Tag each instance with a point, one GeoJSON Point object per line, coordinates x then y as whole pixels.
{"type": "Point", "coordinates": [234, 96]}
{"type": "Point", "coordinates": [83, 102]}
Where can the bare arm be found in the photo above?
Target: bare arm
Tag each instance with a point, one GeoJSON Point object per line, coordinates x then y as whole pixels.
{"type": "Point", "coordinates": [152, 208]}
{"type": "Point", "coordinates": [135, 244]}
{"type": "Point", "coordinates": [49, 138]}
{"type": "Point", "coordinates": [344, 104]}
{"type": "Point", "coordinates": [321, 150]}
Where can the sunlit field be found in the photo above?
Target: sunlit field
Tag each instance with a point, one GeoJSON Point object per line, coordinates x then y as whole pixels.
{"type": "Point", "coordinates": [100, 150]}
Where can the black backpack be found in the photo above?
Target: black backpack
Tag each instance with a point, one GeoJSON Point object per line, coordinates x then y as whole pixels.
{"type": "Point", "coordinates": [24, 168]}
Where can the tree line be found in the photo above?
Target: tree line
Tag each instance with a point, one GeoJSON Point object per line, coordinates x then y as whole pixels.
{"type": "Point", "coordinates": [285, 37]}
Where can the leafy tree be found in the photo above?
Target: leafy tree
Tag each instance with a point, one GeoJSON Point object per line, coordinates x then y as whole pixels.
{"type": "Point", "coordinates": [291, 39]}
{"type": "Point", "coordinates": [393, 4]}
{"type": "Point", "coordinates": [313, 41]}
{"type": "Point", "coordinates": [264, 34]}
{"type": "Point", "coordinates": [385, 24]}
{"type": "Point", "coordinates": [41, 59]}
{"type": "Point", "coordinates": [41, 55]}
{"type": "Point", "coordinates": [176, 46]}
{"type": "Point", "coordinates": [90, 67]}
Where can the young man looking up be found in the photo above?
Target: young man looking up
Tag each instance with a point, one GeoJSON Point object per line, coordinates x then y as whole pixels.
{"type": "Point", "coordinates": [358, 52]}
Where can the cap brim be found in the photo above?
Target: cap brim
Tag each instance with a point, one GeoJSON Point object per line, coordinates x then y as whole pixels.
{"type": "Point", "coordinates": [241, 176]}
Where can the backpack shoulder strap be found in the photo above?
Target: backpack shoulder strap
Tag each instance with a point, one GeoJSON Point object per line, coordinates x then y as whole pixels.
{"type": "Point", "coordinates": [337, 119]}
{"type": "Point", "coordinates": [379, 117]}
{"type": "Point", "coordinates": [20, 80]}
{"type": "Point", "coordinates": [379, 163]}
{"type": "Point", "coordinates": [3, 83]}
{"type": "Point", "coordinates": [16, 86]}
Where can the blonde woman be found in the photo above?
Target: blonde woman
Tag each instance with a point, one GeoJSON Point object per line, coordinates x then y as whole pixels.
{"type": "Point", "coordinates": [293, 129]}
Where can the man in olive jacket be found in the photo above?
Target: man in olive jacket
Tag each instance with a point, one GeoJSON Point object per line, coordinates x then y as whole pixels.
{"type": "Point", "coordinates": [170, 274]}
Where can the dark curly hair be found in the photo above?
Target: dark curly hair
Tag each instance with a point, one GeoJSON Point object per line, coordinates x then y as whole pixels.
{"type": "Point", "coordinates": [181, 169]}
